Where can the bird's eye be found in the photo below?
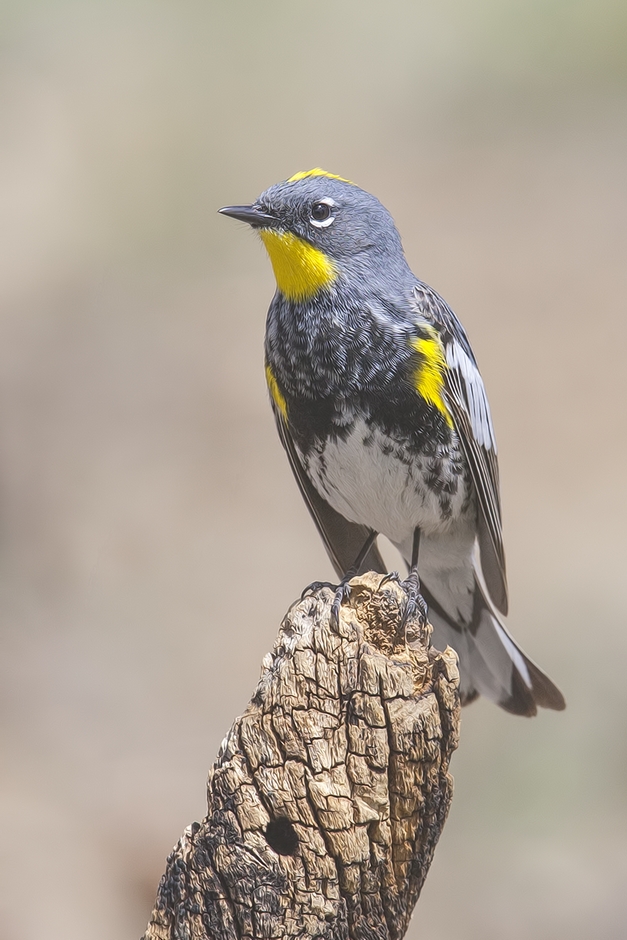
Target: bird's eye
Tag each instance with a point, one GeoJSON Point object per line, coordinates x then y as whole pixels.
{"type": "Point", "coordinates": [321, 213]}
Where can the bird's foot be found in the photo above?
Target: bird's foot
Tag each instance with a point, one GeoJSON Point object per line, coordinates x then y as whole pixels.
{"type": "Point", "coordinates": [415, 604]}
{"type": "Point", "coordinates": [342, 593]}
{"type": "Point", "coordinates": [317, 586]}
{"type": "Point", "coordinates": [392, 576]}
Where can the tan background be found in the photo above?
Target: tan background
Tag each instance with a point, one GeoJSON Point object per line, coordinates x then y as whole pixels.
{"type": "Point", "coordinates": [143, 492]}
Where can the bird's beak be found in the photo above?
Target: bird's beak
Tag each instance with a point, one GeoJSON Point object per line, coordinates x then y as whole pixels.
{"type": "Point", "coordinates": [251, 214]}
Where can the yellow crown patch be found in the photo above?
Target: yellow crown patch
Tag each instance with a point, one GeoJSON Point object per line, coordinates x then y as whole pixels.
{"type": "Point", "coordinates": [317, 171]}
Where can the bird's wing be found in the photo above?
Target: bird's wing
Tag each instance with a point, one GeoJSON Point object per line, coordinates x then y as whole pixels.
{"type": "Point", "coordinates": [468, 405]}
{"type": "Point", "coordinates": [342, 539]}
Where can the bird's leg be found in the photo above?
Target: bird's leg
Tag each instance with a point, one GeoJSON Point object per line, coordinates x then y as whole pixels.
{"type": "Point", "coordinates": [343, 590]}
{"type": "Point", "coordinates": [416, 604]}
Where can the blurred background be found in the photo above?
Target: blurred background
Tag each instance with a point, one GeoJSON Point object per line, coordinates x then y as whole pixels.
{"type": "Point", "coordinates": [151, 536]}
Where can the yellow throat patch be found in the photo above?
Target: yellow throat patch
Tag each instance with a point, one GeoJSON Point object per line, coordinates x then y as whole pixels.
{"type": "Point", "coordinates": [300, 269]}
{"type": "Point", "coordinates": [429, 376]}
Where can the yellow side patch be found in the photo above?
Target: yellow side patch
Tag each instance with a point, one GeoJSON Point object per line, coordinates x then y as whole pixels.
{"type": "Point", "coordinates": [429, 376]}
{"type": "Point", "coordinates": [317, 171]}
{"type": "Point", "coordinates": [275, 392]}
{"type": "Point", "coordinates": [300, 269]}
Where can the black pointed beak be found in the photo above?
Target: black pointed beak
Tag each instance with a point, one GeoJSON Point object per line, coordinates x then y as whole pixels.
{"type": "Point", "coordinates": [251, 214]}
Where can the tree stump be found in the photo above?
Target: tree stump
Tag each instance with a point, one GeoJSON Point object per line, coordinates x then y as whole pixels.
{"type": "Point", "coordinates": [330, 792]}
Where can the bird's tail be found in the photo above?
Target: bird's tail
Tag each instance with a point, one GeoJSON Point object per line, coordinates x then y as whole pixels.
{"type": "Point", "coordinates": [491, 663]}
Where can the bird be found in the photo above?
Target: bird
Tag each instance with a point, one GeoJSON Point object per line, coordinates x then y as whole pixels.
{"type": "Point", "coordinates": [383, 414]}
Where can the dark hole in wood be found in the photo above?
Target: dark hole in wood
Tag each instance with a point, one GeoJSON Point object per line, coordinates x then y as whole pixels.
{"type": "Point", "coordinates": [281, 836]}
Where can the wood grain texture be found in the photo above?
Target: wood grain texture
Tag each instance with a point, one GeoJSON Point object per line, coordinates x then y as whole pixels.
{"type": "Point", "coordinates": [330, 792]}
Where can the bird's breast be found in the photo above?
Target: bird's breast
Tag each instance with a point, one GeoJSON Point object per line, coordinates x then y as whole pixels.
{"type": "Point", "coordinates": [385, 482]}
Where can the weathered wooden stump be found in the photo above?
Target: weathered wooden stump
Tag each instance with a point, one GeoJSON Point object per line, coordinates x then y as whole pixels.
{"type": "Point", "coordinates": [329, 794]}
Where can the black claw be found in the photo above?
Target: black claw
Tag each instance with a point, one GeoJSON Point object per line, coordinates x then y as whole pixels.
{"type": "Point", "coordinates": [392, 576]}
{"type": "Point", "coordinates": [342, 593]}
{"type": "Point", "coordinates": [317, 586]}
{"type": "Point", "coordinates": [415, 605]}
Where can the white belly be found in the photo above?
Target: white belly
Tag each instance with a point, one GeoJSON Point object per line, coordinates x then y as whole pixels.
{"type": "Point", "coordinates": [371, 479]}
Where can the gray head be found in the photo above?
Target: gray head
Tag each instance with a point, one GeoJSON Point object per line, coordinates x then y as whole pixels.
{"type": "Point", "coordinates": [316, 227]}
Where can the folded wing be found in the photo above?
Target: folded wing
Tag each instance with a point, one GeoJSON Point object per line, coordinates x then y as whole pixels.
{"type": "Point", "coordinates": [468, 404]}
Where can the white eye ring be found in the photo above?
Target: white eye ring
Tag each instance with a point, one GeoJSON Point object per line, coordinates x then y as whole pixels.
{"type": "Point", "coordinates": [323, 223]}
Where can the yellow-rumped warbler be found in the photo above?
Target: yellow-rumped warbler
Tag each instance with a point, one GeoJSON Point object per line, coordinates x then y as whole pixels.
{"type": "Point", "coordinates": [383, 414]}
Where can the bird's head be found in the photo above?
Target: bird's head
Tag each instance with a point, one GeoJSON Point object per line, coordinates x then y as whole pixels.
{"type": "Point", "coordinates": [317, 227]}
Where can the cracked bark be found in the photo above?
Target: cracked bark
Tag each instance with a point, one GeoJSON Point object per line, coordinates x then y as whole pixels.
{"type": "Point", "coordinates": [330, 792]}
